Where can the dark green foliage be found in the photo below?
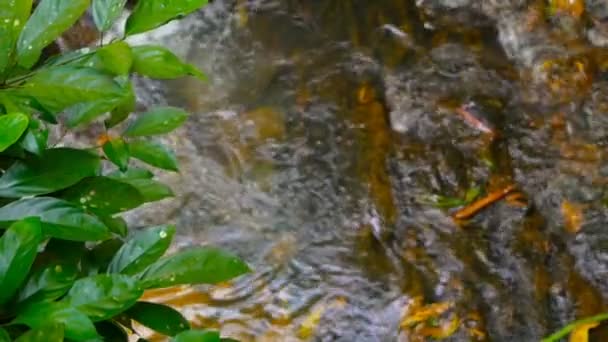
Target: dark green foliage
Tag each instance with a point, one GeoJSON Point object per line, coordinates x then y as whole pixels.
{"type": "Point", "coordinates": [69, 268]}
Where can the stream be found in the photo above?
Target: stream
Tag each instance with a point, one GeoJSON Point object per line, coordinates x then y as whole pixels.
{"type": "Point", "coordinates": [337, 140]}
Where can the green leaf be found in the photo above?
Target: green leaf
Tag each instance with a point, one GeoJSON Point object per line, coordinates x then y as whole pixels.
{"type": "Point", "coordinates": [197, 336]}
{"type": "Point", "coordinates": [143, 249]}
{"type": "Point", "coordinates": [56, 169]}
{"type": "Point", "coordinates": [104, 296]}
{"type": "Point", "coordinates": [18, 249]}
{"type": "Point", "coordinates": [60, 219]}
{"type": "Point", "coordinates": [111, 331]}
{"type": "Point", "coordinates": [103, 196]}
{"type": "Point", "coordinates": [154, 154]}
{"type": "Point", "coordinates": [35, 141]}
{"type": "Point", "coordinates": [117, 58]}
{"type": "Point", "coordinates": [117, 152]}
{"type": "Point", "coordinates": [85, 112]}
{"type": "Point", "coordinates": [160, 318]}
{"type": "Point", "coordinates": [159, 120]}
{"type": "Point", "coordinates": [61, 87]}
{"type": "Point", "coordinates": [12, 127]}
{"type": "Point", "coordinates": [106, 12]}
{"type": "Point", "coordinates": [47, 333]}
{"type": "Point", "coordinates": [47, 283]}
{"type": "Point", "coordinates": [77, 325]}
{"type": "Point", "coordinates": [150, 14]}
{"type": "Point", "coordinates": [132, 173]}
{"type": "Point", "coordinates": [50, 19]}
{"type": "Point", "coordinates": [13, 15]}
{"type": "Point", "coordinates": [150, 189]}
{"type": "Point", "coordinates": [202, 265]}
{"type": "Point", "coordinates": [126, 106]}
{"type": "Point", "coordinates": [117, 225]}
{"type": "Point", "coordinates": [4, 336]}
{"type": "Point", "coordinates": [101, 255]}
{"type": "Point", "coordinates": [159, 63]}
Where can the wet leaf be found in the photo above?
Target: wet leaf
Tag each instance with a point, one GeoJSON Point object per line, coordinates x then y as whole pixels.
{"type": "Point", "coordinates": [50, 19]}
{"type": "Point", "coordinates": [117, 57]}
{"type": "Point", "coordinates": [47, 283]}
{"type": "Point", "coordinates": [150, 14]}
{"type": "Point", "coordinates": [35, 141]}
{"type": "Point", "coordinates": [106, 12]}
{"type": "Point", "coordinates": [61, 87]}
{"type": "Point", "coordinates": [77, 325]}
{"type": "Point", "coordinates": [13, 16]}
{"type": "Point", "coordinates": [104, 296]}
{"type": "Point", "coordinates": [126, 107]}
{"type": "Point", "coordinates": [55, 170]}
{"type": "Point", "coordinates": [12, 126]}
{"type": "Point", "coordinates": [141, 250]}
{"type": "Point", "coordinates": [202, 265]}
{"type": "Point", "coordinates": [160, 318]}
{"type": "Point", "coordinates": [197, 336]}
{"type": "Point", "coordinates": [150, 189]}
{"type": "Point", "coordinates": [103, 195]}
{"type": "Point", "coordinates": [116, 225]}
{"type": "Point", "coordinates": [18, 249]}
{"type": "Point", "coordinates": [155, 154]}
{"type": "Point", "coordinates": [47, 333]}
{"type": "Point", "coordinates": [117, 152]}
{"type": "Point", "coordinates": [159, 63]}
{"type": "Point", "coordinates": [160, 120]}
{"type": "Point", "coordinates": [60, 219]}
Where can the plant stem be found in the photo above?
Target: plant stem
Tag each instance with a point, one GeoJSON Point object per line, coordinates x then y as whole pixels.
{"type": "Point", "coordinates": [568, 328]}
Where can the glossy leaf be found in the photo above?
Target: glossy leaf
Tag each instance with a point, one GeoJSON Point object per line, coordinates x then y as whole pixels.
{"type": "Point", "coordinates": [48, 283]}
{"type": "Point", "coordinates": [160, 120]}
{"type": "Point", "coordinates": [159, 63]}
{"type": "Point", "coordinates": [47, 333]}
{"type": "Point", "coordinates": [77, 325]}
{"type": "Point", "coordinates": [150, 14]}
{"type": "Point", "coordinates": [18, 249]}
{"type": "Point", "coordinates": [154, 154]}
{"type": "Point", "coordinates": [13, 15]}
{"type": "Point", "coordinates": [124, 108]}
{"type": "Point", "coordinates": [197, 336]}
{"type": "Point", "coordinates": [61, 87]}
{"type": "Point", "coordinates": [86, 112]}
{"type": "Point", "coordinates": [106, 12]}
{"type": "Point", "coordinates": [150, 189]}
{"type": "Point", "coordinates": [202, 265]}
{"type": "Point", "coordinates": [60, 219]}
{"type": "Point", "coordinates": [101, 255]}
{"type": "Point", "coordinates": [117, 57]}
{"type": "Point", "coordinates": [12, 127]}
{"type": "Point", "coordinates": [117, 152]}
{"type": "Point", "coordinates": [131, 173]}
{"type": "Point", "coordinates": [116, 225]}
{"type": "Point", "coordinates": [103, 296]}
{"type": "Point", "coordinates": [160, 318]}
{"type": "Point", "coordinates": [141, 250]}
{"type": "Point", "coordinates": [103, 195]}
{"type": "Point", "coordinates": [35, 141]}
{"type": "Point", "coordinates": [56, 169]}
{"type": "Point", "coordinates": [50, 19]}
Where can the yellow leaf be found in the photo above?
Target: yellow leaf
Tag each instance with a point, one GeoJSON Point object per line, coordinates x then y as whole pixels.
{"type": "Point", "coordinates": [424, 313]}
{"type": "Point", "coordinates": [581, 333]}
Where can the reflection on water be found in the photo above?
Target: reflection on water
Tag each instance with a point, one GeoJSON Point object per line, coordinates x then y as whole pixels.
{"type": "Point", "coordinates": [337, 139]}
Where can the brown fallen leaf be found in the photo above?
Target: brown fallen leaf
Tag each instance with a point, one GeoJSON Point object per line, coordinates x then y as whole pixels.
{"type": "Point", "coordinates": [473, 208]}
{"type": "Point", "coordinates": [573, 216]}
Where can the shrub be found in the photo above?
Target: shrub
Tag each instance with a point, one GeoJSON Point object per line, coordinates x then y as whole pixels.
{"type": "Point", "coordinates": [69, 268]}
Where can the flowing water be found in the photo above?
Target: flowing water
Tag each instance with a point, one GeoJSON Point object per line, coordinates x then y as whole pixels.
{"type": "Point", "coordinates": [337, 139]}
